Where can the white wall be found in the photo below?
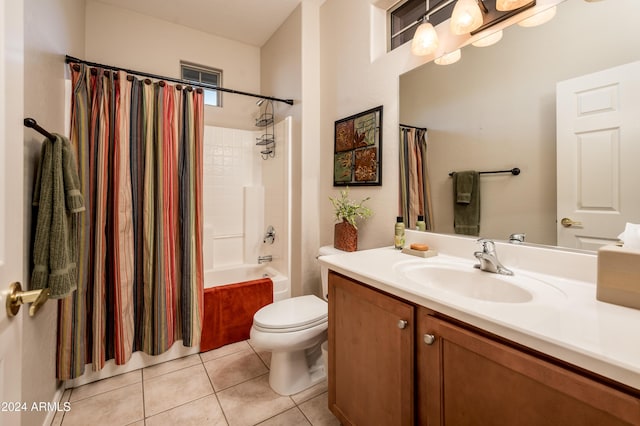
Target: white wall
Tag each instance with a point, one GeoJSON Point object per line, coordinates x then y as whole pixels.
{"type": "Point", "coordinates": [120, 37]}
{"type": "Point", "coordinates": [51, 30]}
{"type": "Point", "coordinates": [495, 109]}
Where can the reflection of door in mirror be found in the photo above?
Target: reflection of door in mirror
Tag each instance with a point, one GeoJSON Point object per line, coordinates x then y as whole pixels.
{"type": "Point", "coordinates": [598, 148]}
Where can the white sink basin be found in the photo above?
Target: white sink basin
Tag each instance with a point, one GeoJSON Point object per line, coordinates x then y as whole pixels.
{"type": "Point", "coordinates": [469, 282]}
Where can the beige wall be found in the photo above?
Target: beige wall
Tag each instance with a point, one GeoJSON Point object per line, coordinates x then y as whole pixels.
{"type": "Point", "coordinates": [51, 30]}
{"type": "Point", "coordinates": [127, 39]}
{"type": "Point", "coordinates": [495, 109]}
{"type": "Point", "coordinates": [290, 63]}
{"type": "Point", "coordinates": [352, 82]}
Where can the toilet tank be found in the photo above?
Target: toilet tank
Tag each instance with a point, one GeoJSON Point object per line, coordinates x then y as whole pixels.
{"type": "Point", "coordinates": [324, 271]}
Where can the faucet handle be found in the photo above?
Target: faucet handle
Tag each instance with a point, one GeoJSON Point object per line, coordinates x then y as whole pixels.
{"type": "Point", "coordinates": [488, 246]}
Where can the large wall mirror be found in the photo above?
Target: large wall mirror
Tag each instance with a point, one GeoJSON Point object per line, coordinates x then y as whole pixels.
{"type": "Point", "coordinates": [496, 109]}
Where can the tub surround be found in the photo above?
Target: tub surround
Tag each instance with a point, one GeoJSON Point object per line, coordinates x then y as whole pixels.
{"type": "Point", "coordinates": [568, 324]}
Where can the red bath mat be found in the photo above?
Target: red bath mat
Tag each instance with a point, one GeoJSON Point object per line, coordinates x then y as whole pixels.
{"type": "Point", "coordinates": [229, 310]}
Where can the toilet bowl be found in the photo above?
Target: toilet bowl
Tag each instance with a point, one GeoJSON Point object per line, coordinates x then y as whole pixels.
{"type": "Point", "coordinates": [293, 331]}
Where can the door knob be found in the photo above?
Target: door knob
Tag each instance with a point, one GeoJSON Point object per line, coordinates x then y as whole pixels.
{"type": "Point", "coordinates": [402, 324]}
{"type": "Point", "coordinates": [566, 222]}
{"type": "Point", "coordinates": [17, 298]}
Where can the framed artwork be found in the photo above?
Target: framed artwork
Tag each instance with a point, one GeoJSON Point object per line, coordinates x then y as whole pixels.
{"type": "Point", "coordinates": [357, 152]}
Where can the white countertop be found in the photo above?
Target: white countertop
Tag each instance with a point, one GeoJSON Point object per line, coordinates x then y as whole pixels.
{"type": "Point", "coordinates": [567, 322]}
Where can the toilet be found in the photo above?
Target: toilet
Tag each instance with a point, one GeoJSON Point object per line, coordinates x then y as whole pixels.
{"type": "Point", "coordinates": [293, 330]}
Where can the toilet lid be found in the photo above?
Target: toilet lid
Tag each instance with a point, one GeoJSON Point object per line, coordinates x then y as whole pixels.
{"type": "Point", "coordinates": [292, 313]}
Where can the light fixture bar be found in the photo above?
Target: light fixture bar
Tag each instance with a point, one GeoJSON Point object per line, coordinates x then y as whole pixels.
{"type": "Point", "coordinates": [495, 16]}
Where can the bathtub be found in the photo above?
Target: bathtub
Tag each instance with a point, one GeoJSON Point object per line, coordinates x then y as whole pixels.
{"type": "Point", "coordinates": [212, 278]}
{"type": "Point", "coordinates": [247, 272]}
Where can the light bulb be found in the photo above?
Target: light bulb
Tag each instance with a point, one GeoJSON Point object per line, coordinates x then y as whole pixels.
{"type": "Point", "coordinates": [425, 41]}
{"type": "Point", "coordinates": [466, 17]}
{"type": "Point", "coordinates": [505, 5]}
{"type": "Point", "coordinates": [449, 58]}
{"type": "Point", "coordinates": [539, 18]}
{"type": "Point", "coordinates": [488, 40]}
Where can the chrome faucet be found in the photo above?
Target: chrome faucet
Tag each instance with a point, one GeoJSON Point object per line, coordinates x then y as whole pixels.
{"type": "Point", "coordinates": [265, 259]}
{"type": "Point", "coordinates": [517, 238]}
{"type": "Point", "coordinates": [489, 258]}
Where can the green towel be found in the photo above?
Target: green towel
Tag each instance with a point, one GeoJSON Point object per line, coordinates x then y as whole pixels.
{"type": "Point", "coordinates": [464, 187]}
{"type": "Point", "coordinates": [58, 198]}
{"type": "Point", "coordinates": [466, 205]}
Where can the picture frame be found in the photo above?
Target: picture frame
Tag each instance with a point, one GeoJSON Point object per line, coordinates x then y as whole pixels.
{"type": "Point", "coordinates": [357, 149]}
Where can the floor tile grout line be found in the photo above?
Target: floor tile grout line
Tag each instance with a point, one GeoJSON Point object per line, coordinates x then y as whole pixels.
{"type": "Point", "coordinates": [282, 412]}
{"type": "Point", "coordinates": [168, 372]}
{"type": "Point", "coordinates": [215, 394]}
{"type": "Point", "coordinates": [144, 406]}
{"type": "Point", "coordinates": [109, 390]}
{"type": "Point", "coordinates": [181, 405]}
{"type": "Point", "coordinates": [239, 383]}
{"type": "Point", "coordinates": [64, 412]}
{"type": "Point", "coordinates": [256, 352]}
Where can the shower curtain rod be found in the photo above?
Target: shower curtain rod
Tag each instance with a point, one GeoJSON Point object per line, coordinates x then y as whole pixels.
{"type": "Point", "coordinates": [69, 59]}
{"type": "Point", "coordinates": [413, 127]}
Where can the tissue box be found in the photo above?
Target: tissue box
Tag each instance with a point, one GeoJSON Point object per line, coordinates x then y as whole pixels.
{"type": "Point", "coordinates": [619, 276]}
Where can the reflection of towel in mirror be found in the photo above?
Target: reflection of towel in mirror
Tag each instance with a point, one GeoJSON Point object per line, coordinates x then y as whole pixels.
{"type": "Point", "coordinates": [466, 205]}
{"type": "Point", "coordinates": [57, 196]}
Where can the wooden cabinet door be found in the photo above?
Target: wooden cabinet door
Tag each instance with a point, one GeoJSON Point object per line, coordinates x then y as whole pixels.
{"type": "Point", "coordinates": [370, 355]}
{"type": "Point", "coordinates": [467, 379]}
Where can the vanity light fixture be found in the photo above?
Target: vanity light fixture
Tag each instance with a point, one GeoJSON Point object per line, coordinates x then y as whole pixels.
{"type": "Point", "coordinates": [466, 16]}
{"type": "Point", "coordinates": [505, 5]}
{"type": "Point", "coordinates": [489, 40]}
{"type": "Point", "coordinates": [539, 18]}
{"type": "Point", "coordinates": [425, 40]}
{"type": "Point", "coordinates": [449, 58]}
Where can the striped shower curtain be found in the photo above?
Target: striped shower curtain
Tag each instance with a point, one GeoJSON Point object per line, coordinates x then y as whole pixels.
{"type": "Point", "coordinates": [415, 191]}
{"type": "Point", "coordinates": [140, 284]}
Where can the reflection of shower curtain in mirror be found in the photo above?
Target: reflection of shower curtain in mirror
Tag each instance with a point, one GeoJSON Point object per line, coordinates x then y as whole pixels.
{"type": "Point", "coordinates": [415, 192]}
{"type": "Point", "coordinates": [140, 283]}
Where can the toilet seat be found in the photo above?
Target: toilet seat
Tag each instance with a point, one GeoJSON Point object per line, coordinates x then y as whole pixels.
{"type": "Point", "coordinates": [297, 313]}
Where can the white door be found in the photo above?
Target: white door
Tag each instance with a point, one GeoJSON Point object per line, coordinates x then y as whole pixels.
{"type": "Point", "coordinates": [11, 205]}
{"type": "Point", "coordinates": [598, 156]}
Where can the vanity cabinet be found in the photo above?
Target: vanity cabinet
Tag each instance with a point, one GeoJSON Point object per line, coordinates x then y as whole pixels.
{"type": "Point", "coordinates": [371, 355]}
{"type": "Point", "coordinates": [435, 370]}
{"type": "Point", "coordinates": [466, 378]}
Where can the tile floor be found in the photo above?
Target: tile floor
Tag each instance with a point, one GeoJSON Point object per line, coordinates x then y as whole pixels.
{"type": "Point", "coordinates": [225, 386]}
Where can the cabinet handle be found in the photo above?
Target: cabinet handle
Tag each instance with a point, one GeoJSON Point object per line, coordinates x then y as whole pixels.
{"type": "Point", "coordinates": [402, 324]}
{"type": "Point", "coordinates": [429, 339]}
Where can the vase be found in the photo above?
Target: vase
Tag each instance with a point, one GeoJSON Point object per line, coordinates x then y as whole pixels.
{"type": "Point", "coordinates": [345, 236]}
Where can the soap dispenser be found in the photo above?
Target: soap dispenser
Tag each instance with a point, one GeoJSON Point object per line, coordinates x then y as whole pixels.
{"type": "Point", "coordinates": [399, 233]}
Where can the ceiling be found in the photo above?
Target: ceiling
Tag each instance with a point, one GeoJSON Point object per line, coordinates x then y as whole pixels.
{"type": "Point", "coordinates": [247, 21]}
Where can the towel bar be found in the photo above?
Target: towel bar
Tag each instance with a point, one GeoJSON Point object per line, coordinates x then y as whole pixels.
{"type": "Point", "coordinates": [515, 171]}
{"type": "Point", "coordinates": [17, 297]}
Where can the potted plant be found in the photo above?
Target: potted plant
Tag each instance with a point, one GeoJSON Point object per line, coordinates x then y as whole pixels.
{"type": "Point", "coordinates": [345, 235]}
